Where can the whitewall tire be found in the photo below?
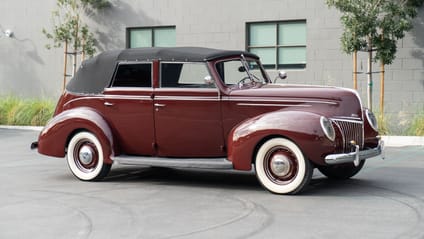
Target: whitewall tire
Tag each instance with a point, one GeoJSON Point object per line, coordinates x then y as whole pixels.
{"type": "Point", "coordinates": [281, 167]}
{"type": "Point", "coordinates": [85, 157]}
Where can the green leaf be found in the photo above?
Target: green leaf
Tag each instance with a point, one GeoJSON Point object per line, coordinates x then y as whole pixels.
{"type": "Point", "coordinates": [69, 27]}
{"type": "Point", "coordinates": [382, 21]}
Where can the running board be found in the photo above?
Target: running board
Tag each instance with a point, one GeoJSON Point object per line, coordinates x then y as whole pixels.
{"type": "Point", "coordinates": [202, 163]}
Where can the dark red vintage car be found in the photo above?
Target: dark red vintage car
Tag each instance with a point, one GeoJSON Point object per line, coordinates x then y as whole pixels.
{"type": "Point", "coordinates": [206, 108]}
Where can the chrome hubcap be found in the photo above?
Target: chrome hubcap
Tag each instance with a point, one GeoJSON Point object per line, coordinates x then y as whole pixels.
{"type": "Point", "coordinates": [86, 155]}
{"type": "Point", "coordinates": [280, 165]}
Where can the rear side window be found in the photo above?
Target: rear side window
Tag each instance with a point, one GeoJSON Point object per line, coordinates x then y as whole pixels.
{"type": "Point", "coordinates": [133, 75]}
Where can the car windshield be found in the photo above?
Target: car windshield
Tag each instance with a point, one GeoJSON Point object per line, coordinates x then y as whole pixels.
{"type": "Point", "coordinates": [241, 72]}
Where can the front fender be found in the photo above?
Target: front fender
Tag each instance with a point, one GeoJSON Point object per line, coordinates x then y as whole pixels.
{"type": "Point", "coordinates": [303, 128]}
{"type": "Point", "coordinates": [54, 137]}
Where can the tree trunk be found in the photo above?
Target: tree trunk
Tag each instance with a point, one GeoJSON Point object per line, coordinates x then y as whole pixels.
{"type": "Point", "coordinates": [65, 63]}
{"type": "Point", "coordinates": [369, 81]}
{"type": "Point", "coordinates": [355, 70]}
{"type": "Point", "coordinates": [74, 63]}
{"type": "Point", "coordinates": [382, 71]}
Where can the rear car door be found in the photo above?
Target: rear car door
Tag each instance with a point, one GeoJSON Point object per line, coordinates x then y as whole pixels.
{"type": "Point", "coordinates": [128, 105]}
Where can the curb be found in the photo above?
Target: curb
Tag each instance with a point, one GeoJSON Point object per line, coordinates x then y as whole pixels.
{"type": "Point", "coordinates": [402, 141]}
{"type": "Point", "coordinates": [33, 128]}
{"type": "Point", "coordinates": [389, 141]}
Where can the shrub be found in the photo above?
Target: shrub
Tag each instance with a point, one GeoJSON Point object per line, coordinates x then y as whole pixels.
{"type": "Point", "coordinates": [15, 111]}
{"type": "Point", "coordinates": [382, 122]}
{"type": "Point", "coordinates": [417, 125]}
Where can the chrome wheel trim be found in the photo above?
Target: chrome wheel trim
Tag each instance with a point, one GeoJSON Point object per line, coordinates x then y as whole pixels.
{"type": "Point", "coordinates": [85, 168]}
{"type": "Point", "coordinates": [280, 165]}
{"type": "Point", "coordinates": [284, 183]}
{"type": "Point", "coordinates": [86, 155]}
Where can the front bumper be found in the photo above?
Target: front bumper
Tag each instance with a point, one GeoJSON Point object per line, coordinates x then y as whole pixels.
{"type": "Point", "coordinates": [357, 156]}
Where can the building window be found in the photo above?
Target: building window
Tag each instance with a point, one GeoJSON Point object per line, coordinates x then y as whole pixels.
{"type": "Point", "coordinates": [279, 44]}
{"type": "Point", "coordinates": [151, 37]}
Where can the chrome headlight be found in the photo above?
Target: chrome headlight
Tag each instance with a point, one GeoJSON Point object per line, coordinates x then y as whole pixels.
{"type": "Point", "coordinates": [328, 128]}
{"type": "Point", "coordinates": [372, 120]}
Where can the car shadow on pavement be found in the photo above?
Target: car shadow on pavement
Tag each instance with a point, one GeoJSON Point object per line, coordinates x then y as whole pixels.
{"type": "Point", "coordinates": [230, 179]}
{"type": "Point", "coordinates": [186, 177]}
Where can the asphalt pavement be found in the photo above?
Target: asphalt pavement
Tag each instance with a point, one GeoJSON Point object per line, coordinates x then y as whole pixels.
{"type": "Point", "coordinates": [40, 198]}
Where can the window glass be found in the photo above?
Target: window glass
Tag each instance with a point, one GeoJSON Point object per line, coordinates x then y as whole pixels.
{"type": "Point", "coordinates": [292, 55]}
{"type": "Point", "coordinates": [267, 55]}
{"type": "Point", "coordinates": [232, 72]}
{"type": "Point", "coordinates": [140, 38]}
{"type": "Point", "coordinates": [151, 37]}
{"type": "Point", "coordinates": [185, 75]}
{"type": "Point", "coordinates": [133, 75]}
{"type": "Point", "coordinates": [280, 44]}
{"type": "Point", "coordinates": [263, 34]}
{"type": "Point", "coordinates": [164, 37]}
{"type": "Point", "coordinates": [293, 33]}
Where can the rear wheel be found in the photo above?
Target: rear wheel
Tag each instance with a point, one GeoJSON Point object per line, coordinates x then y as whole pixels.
{"type": "Point", "coordinates": [281, 167]}
{"type": "Point", "coordinates": [85, 157]}
{"type": "Point", "coordinates": [343, 171]}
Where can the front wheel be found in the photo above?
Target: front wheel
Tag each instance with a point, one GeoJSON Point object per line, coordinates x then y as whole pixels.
{"type": "Point", "coordinates": [281, 167]}
{"type": "Point", "coordinates": [85, 157]}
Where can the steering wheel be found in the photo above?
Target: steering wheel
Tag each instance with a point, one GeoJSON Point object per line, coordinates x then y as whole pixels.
{"type": "Point", "coordinates": [243, 81]}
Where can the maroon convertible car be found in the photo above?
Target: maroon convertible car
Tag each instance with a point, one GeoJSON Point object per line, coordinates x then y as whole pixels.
{"type": "Point", "coordinates": [190, 107]}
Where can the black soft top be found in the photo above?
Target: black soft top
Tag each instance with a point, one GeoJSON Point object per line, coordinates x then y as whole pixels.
{"type": "Point", "coordinates": [95, 74]}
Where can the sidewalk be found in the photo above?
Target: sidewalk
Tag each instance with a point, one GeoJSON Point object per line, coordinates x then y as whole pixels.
{"type": "Point", "coordinates": [401, 141]}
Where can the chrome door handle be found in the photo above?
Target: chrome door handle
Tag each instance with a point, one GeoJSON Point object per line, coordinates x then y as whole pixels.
{"type": "Point", "coordinates": [159, 105]}
{"type": "Point", "coordinates": [108, 104]}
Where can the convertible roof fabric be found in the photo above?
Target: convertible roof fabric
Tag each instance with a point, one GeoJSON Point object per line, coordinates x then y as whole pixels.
{"type": "Point", "coordinates": [95, 74]}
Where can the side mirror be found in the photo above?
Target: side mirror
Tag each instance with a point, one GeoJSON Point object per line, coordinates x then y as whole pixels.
{"type": "Point", "coordinates": [208, 80]}
{"type": "Point", "coordinates": [281, 75]}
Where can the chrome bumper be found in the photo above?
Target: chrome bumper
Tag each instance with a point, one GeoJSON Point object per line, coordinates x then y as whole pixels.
{"type": "Point", "coordinates": [357, 156]}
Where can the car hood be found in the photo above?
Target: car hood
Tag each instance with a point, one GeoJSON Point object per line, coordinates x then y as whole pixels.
{"type": "Point", "coordinates": [324, 100]}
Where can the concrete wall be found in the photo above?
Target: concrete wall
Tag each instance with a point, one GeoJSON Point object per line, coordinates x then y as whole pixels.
{"type": "Point", "coordinates": [28, 69]}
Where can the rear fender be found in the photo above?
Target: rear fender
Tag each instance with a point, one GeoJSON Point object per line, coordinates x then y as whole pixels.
{"type": "Point", "coordinates": [303, 128]}
{"type": "Point", "coordinates": [56, 134]}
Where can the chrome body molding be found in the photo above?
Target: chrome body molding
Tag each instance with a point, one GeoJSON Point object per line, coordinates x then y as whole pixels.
{"type": "Point", "coordinates": [357, 156]}
{"type": "Point", "coordinates": [188, 98]}
{"type": "Point", "coordinates": [279, 100]}
{"type": "Point", "coordinates": [201, 163]}
{"type": "Point", "coordinates": [272, 105]}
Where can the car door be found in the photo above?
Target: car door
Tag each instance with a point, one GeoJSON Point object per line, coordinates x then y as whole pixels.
{"type": "Point", "coordinates": [128, 105]}
{"type": "Point", "coordinates": [187, 112]}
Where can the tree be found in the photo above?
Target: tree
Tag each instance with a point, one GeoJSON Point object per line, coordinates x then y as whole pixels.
{"type": "Point", "coordinates": [69, 29]}
{"type": "Point", "coordinates": [375, 26]}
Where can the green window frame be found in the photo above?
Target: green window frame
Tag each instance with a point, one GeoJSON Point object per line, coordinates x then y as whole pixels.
{"type": "Point", "coordinates": [161, 36]}
{"type": "Point", "coordinates": [279, 44]}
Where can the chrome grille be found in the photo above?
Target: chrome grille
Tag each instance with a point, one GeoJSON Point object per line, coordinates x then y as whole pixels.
{"type": "Point", "coordinates": [351, 130]}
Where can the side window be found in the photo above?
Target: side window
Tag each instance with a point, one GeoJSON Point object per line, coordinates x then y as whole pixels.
{"type": "Point", "coordinates": [185, 75]}
{"type": "Point", "coordinates": [231, 72]}
{"type": "Point", "coordinates": [133, 75]}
